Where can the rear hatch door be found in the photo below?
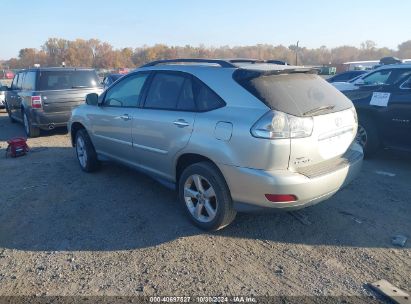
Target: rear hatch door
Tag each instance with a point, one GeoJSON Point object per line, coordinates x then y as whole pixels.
{"type": "Point", "coordinates": [64, 100]}
{"type": "Point", "coordinates": [304, 94]}
{"type": "Point", "coordinates": [62, 90]}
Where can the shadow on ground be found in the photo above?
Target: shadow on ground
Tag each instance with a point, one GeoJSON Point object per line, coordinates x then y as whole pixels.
{"type": "Point", "coordinates": [48, 204]}
{"type": "Point", "coordinates": [16, 129]}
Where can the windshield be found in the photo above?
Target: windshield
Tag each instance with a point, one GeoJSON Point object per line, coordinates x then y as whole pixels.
{"type": "Point", "coordinates": [386, 76]}
{"type": "Point", "coordinates": [299, 94]}
{"type": "Point", "coordinates": [70, 79]}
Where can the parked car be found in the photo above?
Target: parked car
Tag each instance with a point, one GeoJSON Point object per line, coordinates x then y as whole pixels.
{"type": "Point", "coordinates": [43, 98]}
{"type": "Point", "coordinates": [228, 136]}
{"type": "Point", "coordinates": [346, 76]}
{"type": "Point", "coordinates": [110, 79]}
{"type": "Point", "coordinates": [6, 74]}
{"type": "Point", "coordinates": [3, 88]}
{"type": "Point", "coordinates": [325, 70]}
{"type": "Point", "coordinates": [351, 84]}
{"type": "Point", "coordinates": [383, 102]}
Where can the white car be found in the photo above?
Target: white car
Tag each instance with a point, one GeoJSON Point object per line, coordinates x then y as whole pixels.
{"type": "Point", "coordinates": [349, 85]}
{"type": "Point", "coordinates": [374, 76]}
{"type": "Point", "coordinates": [2, 96]}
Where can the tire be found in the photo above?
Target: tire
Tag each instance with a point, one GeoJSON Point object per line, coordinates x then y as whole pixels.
{"type": "Point", "coordinates": [30, 130]}
{"type": "Point", "coordinates": [367, 136]}
{"type": "Point", "coordinates": [85, 152]}
{"type": "Point", "coordinates": [210, 210]}
{"type": "Point", "coordinates": [12, 120]}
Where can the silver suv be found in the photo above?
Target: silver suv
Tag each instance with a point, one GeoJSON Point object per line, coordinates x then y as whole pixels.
{"type": "Point", "coordinates": [229, 135]}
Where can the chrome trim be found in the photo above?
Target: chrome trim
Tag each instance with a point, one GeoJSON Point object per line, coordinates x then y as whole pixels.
{"type": "Point", "coordinates": [149, 149]}
{"type": "Point", "coordinates": [181, 123]}
{"type": "Point", "coordinates": [114, 140]}
{"type": "Point", "coordinates": [335, 133]}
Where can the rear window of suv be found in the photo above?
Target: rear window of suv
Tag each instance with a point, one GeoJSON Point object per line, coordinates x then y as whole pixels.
{"type": "Point", "coordinates": [298, 94]}
{"type": "Point", "coordinates": [63, 80]}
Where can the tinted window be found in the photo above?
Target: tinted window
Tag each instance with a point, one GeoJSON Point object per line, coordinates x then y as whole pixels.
{"type": "Point", "coordinates": [386, 76]}
{"type": "Point", "coordinates": [20, 81]}
{"type": "Point", "coordinates": [29, 81]}
{"type": "Point", "coordinates": [186, 98]}
{"type": "Point", "coordinates": [14, 83]}
{"type": "Point", "coordinates": [165, 91]}
{"type": "Point", "coordinates": [62, 80]}
{"type": "Point", "coordinates": [296, 94]}
{"type": "Point", "coordinates": [126, 93]}
{"type": "Point", "coordinates": [206, 99]}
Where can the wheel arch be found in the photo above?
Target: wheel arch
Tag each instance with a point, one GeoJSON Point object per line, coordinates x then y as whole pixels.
{"type": "Point", "coordinates": [75, 127]}
{"type": "Point", "coordinates": [188, 159]}
{"type": "Point", "coordinates": [372, 115]}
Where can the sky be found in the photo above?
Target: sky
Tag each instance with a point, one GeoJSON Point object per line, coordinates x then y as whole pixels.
{"type": "Point", "coordinates": [134, 23]}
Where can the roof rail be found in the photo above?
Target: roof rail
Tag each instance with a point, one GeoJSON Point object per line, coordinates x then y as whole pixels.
{"type": "Point", "coordinates": [222, 63]}
{"type": "Point", "coordinates": [245, 60]}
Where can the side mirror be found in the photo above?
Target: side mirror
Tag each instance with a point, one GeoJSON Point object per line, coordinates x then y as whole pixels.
{"type": "Point", "coordinates": [4, 88]}
{"type": "Point", "coordinates": [92, 99]}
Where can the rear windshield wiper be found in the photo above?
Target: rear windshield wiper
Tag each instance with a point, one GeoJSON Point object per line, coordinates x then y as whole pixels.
{"type": "Point", "coordinates": [319, 109]}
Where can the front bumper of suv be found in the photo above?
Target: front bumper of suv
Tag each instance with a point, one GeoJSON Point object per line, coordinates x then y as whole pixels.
{"type": "Point", "coordinates": [249, 186]}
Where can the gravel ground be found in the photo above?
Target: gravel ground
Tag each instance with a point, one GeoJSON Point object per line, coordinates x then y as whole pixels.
{"type": "Point", "coordinates": [119, 233]}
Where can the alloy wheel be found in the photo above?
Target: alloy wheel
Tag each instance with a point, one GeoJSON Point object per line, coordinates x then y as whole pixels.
{"type": "Point", "coordinates": [361, 137]}
{"type": "Point", "coordinates": [81, 151]}
{"type": "Point", "coordinates": [200, 198]}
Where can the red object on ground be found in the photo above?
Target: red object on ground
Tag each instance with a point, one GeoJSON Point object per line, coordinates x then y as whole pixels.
{"type": "Point", "coordinates": [17, 147]}
{"type": "Point", "coordinates": [9, 75]}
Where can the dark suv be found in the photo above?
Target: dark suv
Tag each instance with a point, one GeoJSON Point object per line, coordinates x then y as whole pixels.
{"type": "Point", "coordinates": [43, 98]}
{"type": "Point", "coordinates": [383, 103]}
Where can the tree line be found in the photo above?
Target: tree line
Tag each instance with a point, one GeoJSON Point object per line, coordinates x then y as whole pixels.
{"type": "Point", "coordinates": [99, 54]}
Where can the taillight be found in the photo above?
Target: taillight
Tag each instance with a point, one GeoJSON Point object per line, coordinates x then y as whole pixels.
{"type": "Point", "coordinates": [274, 125]}
{"type": "Point", "coordinates": [281, 198]}
{"type": "Point", "coordinates": [36, 102]}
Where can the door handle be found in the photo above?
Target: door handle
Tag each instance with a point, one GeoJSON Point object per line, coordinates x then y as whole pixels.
{"type": "Point", "coordinates": [181, 123]}
{"type": "Point", "coordinates": [125, 117]}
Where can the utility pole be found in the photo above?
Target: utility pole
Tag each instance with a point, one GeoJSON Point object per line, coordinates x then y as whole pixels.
{"type": "Point", "coordinates": [296, 53]}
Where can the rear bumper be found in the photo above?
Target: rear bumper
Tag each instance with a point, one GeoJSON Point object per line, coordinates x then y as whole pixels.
{"type": "Point", "coordinates": [47, 121]}
{"type": "Point", "coordinates": [249, 186]}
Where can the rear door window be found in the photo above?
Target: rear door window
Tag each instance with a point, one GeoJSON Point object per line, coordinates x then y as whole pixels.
{"type": "Point", "coordinates": [14, 83]}
{"type": "Point", "coordinates": [164, 91]}
{"type": "Point", "coordinates": [180, 92]}
{"type": "Point", "coordinates": [186, 99]}
{"type": "Point", "coordinates": [298, 94]}
{"type": "Point", "coordinates": [29, 81]}
{"type": "Point", "coordinates": [70, 79]}
{"type": "Point", "coordinates": [20, 81]}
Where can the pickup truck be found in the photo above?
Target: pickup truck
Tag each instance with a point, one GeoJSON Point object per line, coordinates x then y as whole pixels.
{"type": "Point", "coordinates": [43, 98]}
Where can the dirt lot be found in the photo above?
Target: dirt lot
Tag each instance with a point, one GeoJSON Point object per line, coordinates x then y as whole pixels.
{"type": "Point", "coordinates": [117, 232]}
